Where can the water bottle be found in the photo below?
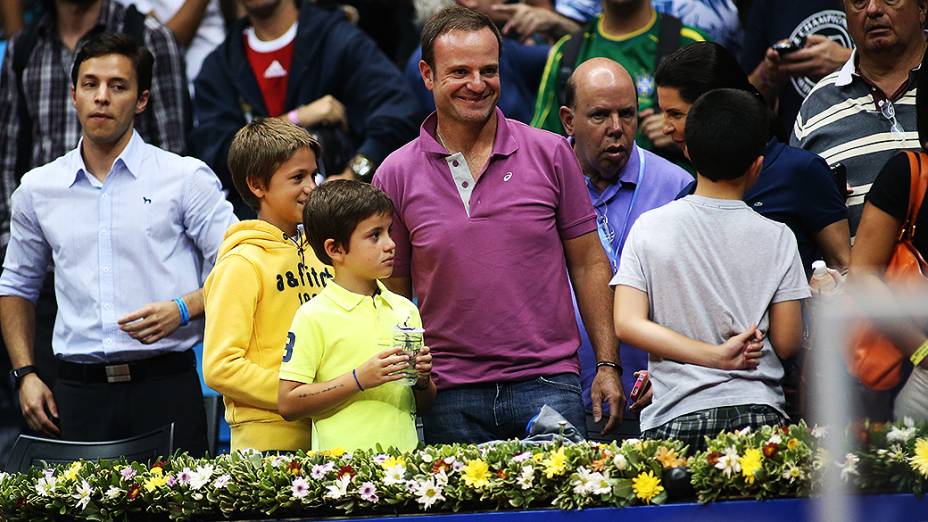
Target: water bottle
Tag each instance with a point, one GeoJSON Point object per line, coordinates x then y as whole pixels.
{"type": "Point", "coordinates": [822, 281]}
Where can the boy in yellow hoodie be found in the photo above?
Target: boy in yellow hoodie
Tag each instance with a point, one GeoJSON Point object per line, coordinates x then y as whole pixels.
{"type": "Point", "coordinates": [263, 273]}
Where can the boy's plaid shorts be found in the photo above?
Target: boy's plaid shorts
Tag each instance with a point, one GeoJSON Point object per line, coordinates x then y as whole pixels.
{"type": "Point", "coordinates": [693, 428]}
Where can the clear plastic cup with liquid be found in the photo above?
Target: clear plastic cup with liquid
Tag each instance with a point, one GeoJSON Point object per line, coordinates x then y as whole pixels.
{"type": "Point", "coordinates": [411, 340]}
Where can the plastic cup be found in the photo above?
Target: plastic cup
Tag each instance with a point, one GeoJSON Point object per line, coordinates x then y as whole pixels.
{"type": "Point", "coordinates": [411, 340]}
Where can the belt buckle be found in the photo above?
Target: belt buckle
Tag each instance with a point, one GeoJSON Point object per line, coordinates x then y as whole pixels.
{"type": "Point", "coordinates": [118, 373]}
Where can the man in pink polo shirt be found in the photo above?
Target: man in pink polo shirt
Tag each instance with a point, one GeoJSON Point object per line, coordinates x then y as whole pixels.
{"type": "Point", "coordinates": [492, 217]}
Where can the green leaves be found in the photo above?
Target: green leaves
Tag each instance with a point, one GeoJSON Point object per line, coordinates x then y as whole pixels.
{"type": "Point", "coordinates": [765, 463]}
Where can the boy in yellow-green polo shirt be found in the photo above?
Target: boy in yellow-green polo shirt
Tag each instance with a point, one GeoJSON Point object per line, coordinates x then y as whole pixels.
{"type": "Point", "coordinates": [335, 367]}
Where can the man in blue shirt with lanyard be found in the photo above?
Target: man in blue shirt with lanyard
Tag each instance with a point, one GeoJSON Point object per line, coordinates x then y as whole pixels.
{"type": "Point", "coordinates": [624, 181]}
{"type": "Point", "coordinates": [132, 231]}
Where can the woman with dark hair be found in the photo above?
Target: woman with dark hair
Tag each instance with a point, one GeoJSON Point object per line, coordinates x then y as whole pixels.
{"type": "Point", "coordinates": [795, 187]}
{"type": "Point", "coordinates": [884, 214]}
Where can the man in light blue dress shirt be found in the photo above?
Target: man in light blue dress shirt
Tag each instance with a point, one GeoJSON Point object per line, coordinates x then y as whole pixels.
{"type": "Point", "coordinates": [624, 181]}
{"type": "Point", "coordinates": [132, 231]}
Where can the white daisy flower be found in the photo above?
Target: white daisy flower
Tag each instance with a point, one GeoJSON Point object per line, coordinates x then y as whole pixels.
{"type": "Point", "coordinates": [728, 462]}
{"type": "Point", "coordinates": [340, 488]}
{"type": "Point", "coordinates": [620, 462]}
{"type": "Point", "coordinates": [849, 466]}
{"type": "Point", "coordinates": [527, 478]}
{"type": "Point", "coordinates": [82, 494]}
{"type": "Point", "coordinates": [428, 493]}
{"type": "Point", "coordinates": [394, 475]}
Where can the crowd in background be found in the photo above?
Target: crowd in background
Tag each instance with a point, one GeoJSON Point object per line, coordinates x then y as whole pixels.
{"type": "Point", "coordinates": [836, 82]}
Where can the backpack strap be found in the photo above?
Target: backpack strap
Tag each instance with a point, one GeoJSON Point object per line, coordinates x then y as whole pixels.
{"type": "Point", "coordinates": [134, 24]}
{"type": "Point", "coordinates": [918, 184]}
{"type": "Point", "coordinates": [570, 51]}
{"type": "Point", "coordinates": [669, 39]}
{"type": "Point", "coordinates": [22, 50]}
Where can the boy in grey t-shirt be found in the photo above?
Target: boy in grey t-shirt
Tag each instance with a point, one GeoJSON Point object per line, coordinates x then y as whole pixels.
{"type": "Point", "coordinates": [711, 289]}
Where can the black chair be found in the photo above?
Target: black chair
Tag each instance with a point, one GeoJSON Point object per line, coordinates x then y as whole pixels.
{"type": "Point", "coordinates": [215, 409]}
{"type": "Point", "coordinates": [29, 451]}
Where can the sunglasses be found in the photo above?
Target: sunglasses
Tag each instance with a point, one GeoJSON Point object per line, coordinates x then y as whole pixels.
{"type": "Point", "coordinates": [889, 112]}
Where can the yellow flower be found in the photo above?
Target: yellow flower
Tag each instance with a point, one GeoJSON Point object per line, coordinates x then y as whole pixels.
{"type": "Point", "coordinates": [751, 462]}
{"type": "Point", "coordinates": [73, 470]}
{"type": "Point", "coordinates": [333, 452]}
{"type": "Point", "coordinates": [792, 443]}
{"type": "Point", "coordinates": [156, 481]}
{"type": "Point", "coordinates": [668, 457]}
{"type": "Point", "coordinates": [646, 486]}
{"type": "Point", "coordinates": [157, 471]}
{"type": "Point", "coordinates": [476, 474]}
{"type": "Point", "coordinates": [392, 462]}
{"type": "Point", "coordinates": [538, 457]}
{"type": "Point", "coordinates": [556, 463]}
{"type": "Point", "coordinates": [920, 460]}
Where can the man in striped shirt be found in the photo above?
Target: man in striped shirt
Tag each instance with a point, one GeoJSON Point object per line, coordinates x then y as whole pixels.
{"type": "Point", "coordinates": [862, 114]}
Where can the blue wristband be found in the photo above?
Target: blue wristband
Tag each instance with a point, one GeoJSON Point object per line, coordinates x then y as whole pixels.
{"type": "Point", "coordinates": [354, 374]}
{"type": "Point", "coordinates": [184, 313]}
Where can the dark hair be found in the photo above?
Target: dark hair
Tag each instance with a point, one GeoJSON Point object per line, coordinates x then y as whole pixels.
{"type": "Point", "coordinates": [117, 43]}
{"type": "Point", "coordinates": [570, 91]}
{"type": "Point", "coordinates": [726, 130]}
{"type": "Point", "coordinates": [699, 68]}
{"type": "Point", "coordinates": [454, 18]}
{"type": "Point", "coordinates": [921, 102]}
{"type": "Point", "coordinates": [260, 148]}
{"type": "Point", "coordinates": [334, 210]}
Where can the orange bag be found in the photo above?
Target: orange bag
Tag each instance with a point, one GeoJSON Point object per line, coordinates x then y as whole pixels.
{"type": "Point", "coordinates": [873, 358]}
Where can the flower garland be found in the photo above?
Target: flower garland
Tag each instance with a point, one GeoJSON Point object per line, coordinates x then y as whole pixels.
{"type": "Point", "coordinates": [769, 462]}
{"type": "Point", "coordinates": [890, 457]}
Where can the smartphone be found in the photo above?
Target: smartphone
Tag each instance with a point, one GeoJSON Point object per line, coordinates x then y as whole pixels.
{"type": "Point", "coordinates": [839, 171]}
{"type": "Point", "coordinates": [641, 384]}
{"type": "Point", "coordinates": [789, 46]}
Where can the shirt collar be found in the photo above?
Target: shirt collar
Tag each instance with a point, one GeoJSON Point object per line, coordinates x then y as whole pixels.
{"type": "Point", "coordinates": [629, 173]}
{"type": "Point", "coordinates": [849, 69]}
{"type": "Point", "coordinates": [504, 144]}
{"type": "Point", "coordinates": [130, 158]}
{"type": "Point", "coordinates": [349, 300]}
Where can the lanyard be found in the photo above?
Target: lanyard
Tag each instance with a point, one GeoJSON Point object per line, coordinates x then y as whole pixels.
{"type": "Point", "coordinates": [606, 234]}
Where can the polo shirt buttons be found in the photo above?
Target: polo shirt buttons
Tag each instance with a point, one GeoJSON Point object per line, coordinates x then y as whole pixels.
{"type": "Point", "coordinates": [455, 163]}
{"type": "Point", "coordinates": [464, 184]}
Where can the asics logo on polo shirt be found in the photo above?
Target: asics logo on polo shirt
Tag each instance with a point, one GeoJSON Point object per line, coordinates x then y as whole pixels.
{"type": "Point", "coordinates": [507, 176]}
{"type": "Point", "coordinates": [275, 70]}
{"type": "Point", "coordinates": [759, 204]}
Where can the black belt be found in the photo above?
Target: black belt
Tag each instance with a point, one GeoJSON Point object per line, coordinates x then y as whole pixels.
{"type": "Point", "coordinates": [158, 366]}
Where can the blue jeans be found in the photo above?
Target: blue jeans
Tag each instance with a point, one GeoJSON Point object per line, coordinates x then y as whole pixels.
{"type": "Point", "coordinates": [499, 411]}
